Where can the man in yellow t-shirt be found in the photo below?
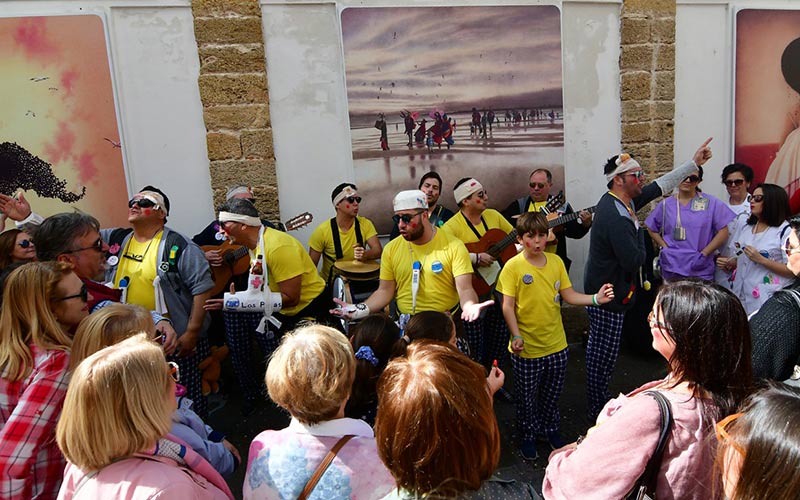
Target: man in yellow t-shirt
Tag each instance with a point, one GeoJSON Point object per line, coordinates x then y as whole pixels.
{"type": "Point", "coordinates": [434, 260]}
{"type": "Point", "coordinates": [487, 336]}
{"type": "Point", "coordinates": [355, 237]}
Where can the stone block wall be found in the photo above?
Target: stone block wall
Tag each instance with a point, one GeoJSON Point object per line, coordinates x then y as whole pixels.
{"type": "Point", "coordinates": [647, 80]}
{"type": "Point", "coordinates": [235, 98]}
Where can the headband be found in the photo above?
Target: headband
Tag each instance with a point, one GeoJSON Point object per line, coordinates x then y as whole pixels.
{"type": "Point", "coordinates": [155, 198]}
{"type": "Point", "coordinates": [344, 193]}
{"type": "Point", "coordinates": [365, 352]}
{"type": "Point", "coordinates": [624, 164]}
{"type": "Point", "coordinates": [467, 189]}
{"type": "Point", "coordinates": [238, 190]}
{"type": "Point", "coordinates": [247, 220]}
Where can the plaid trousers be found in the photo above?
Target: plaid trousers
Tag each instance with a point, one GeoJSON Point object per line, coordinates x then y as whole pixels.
{"type": "Point", "coordinates": [191, 377]}
{"type": "Point", "coordinates": [239, 326]}
{"type": "Point", "coordinates": [602, 350]}
{"type": "Point", "coordinates": [538, 383]}
{"type": "Point", "coordinates": [488, 337]}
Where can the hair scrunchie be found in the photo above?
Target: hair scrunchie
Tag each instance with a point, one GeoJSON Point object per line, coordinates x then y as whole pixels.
{"type": "Point", "coordinates": [365, 352]}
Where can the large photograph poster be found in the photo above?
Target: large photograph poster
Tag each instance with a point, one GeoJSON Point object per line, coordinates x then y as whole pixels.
{"type": "Point", "coordinates": [59, 139]}
{"type": "Point", "coordinates": [482, 88]}
{"type": "Point", "coordinates": [768, 97]}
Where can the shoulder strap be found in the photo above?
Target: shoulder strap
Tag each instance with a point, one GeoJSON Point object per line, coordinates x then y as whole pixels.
{"type": "Point", "coordinates": [523, 204]}
{"type": "Point", "coordinates": [359, 237]}
{"type": "Point", "coordinates": [783, 231]}
{"type": "Point", "coordinates": [649, 477]}
{"type": "Point", "coordinates": [118, 235]}
{"type": "Point", "coordinates": [337, 242]}
{"type": "Point", "coordinates": [326, 462]}
{"type": "Point", "coordinates": [173, 246]}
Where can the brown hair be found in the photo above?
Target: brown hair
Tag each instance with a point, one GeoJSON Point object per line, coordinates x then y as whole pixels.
{"type": "Point", "coordinates": [378, 333]}
{"type": "Point", "coordinates": [436, 429]}
{"type": "Point", "coordinates": [431, 325]}
{"type": "Point", "coordinates": [532, 223]}
{"type": "Point", "coordinates": [8, 240]}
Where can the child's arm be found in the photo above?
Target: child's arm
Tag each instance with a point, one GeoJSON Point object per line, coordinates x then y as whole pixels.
{"type": "Point", "coordinates": [509, 304]}
{"type": "Point", "coordinates": [603, 296]}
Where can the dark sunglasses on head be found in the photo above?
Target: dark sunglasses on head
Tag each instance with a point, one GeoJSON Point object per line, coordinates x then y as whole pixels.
{"type": "Point", "coordinates": [25, 243]}
{"type": "Point", "coordinates": [353, 199]}
{"type": "Point", "coordinates": [693, 178]}
{"type": "Point", "coordinates": [405, 218]}
{"type": "Point", "coordinates": [83, 294]}
{"type": "Point", "coordinates": [733, 182]}
{"type": "Point", "coordinates": [540, 185]}
{"type": "Point", "coordinates": [141, 202]}
{"type": "Point", "coordinates": [758, 198]}
{"type": "Point", "coordinates": [97, 245]}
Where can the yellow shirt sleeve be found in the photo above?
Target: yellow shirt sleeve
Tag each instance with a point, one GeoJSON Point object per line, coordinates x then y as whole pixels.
{"type": "Point", "coordinates": [286, 259]}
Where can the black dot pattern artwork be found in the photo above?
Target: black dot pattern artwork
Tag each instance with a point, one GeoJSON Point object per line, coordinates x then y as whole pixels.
{"type": "Point", "coordinates": [19, 169]}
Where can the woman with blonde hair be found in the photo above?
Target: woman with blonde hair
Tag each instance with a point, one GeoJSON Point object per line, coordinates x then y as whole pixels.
{"type": "Point", "coordinates": [43, 301]}
{"type": "Point", "coordinates": [310, 375]}
{"type": "Point", "coordinates": [114, 430]}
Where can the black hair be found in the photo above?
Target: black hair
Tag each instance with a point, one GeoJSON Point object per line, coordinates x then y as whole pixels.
{"type": "Point", "coordinates": [239, 206]}
{"type": "Point", "coordinates": [430, 175]}
{"type": "Point", "coordinates": [775, 206]}
{"type": "Point", "coordinates": [338, 189]}
{"type": "Point", "coordinates": [743, 169]}
{"type": "Point", "coordinates": [430, 325]}
{"type": "Point", "coordinates": [609, 167]}
{"type": "Point", "coordinates": [156, 190]}
{"type": "Point", "coordinates": [56, 235]}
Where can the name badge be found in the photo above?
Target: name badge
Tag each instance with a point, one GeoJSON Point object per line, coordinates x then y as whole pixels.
{"type": "Point", "coordinates": [699, 204]}
{"type": "Point", "coordinates": [437, 267]}
{"type": "Point", "coordinates": [679, 234]}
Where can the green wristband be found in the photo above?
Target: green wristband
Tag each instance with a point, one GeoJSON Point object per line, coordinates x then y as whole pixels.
{"type": "Point", "coordinates": [594, 300]}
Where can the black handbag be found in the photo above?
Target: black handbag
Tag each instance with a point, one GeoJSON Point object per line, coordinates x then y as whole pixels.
{"type": "Point", "coordinates": [645, 487]}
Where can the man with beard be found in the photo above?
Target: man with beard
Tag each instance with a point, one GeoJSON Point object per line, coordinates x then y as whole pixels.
{"type": "Point", "coordinates": [426, 269]}
{"type": "Point", "coordinates": [431, 185]}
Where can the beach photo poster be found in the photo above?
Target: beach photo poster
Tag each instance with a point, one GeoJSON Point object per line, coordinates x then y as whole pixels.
{"type": "Point", "coordinates": [462, 91]}
{"type": "Point", "coordinates": [59, 135]}
{"type": "Point", "coordinates": [767, 97]}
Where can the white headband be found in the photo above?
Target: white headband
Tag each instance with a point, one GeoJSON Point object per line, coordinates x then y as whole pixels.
{"type": "Point", "coordinates": [347, 191]}
{"type": "Point", "coordinates": [624, 164]}
{"type": "Point", "coordinates": [238, 190]}
{"type": "Point", "coordinates": [247, 220]}
{"type": "Point", "coordinates": [155, 198]}
{"type": "Point", "coordinates": [465, 190]}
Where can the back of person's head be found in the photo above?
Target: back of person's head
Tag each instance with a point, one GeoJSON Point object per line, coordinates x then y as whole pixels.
{"type": "Point", "coordinates": [118, 403]}
{"type": "Point", "coordinates": [372, 341]}
{"type": "Point", "coordinates": [760, 457]}
{"type": "Point", "coordinates": [26, 316]}
{"type": "Point", "coordinates": [743, 169]}
{"type": "Point", "coordinates": [107, 327]}
{"type": "Point", "coordinates": [709, 327]}
{"type": "Point", "coordinates": [5, 273]}
{"type": "Point", "coordinates": [239, 206]}
{"type": "Point", "coordinates": [775, 208]}
{"type": "Point", "coordinates": [436, 430]}
{"type": "Point", "coordinates": [56, 234]}
{"type": "Point", "coordinates": [8, 242]}
{"type": "Point", "coordinates": [311, 373]}
{"type": "Point", "coordinates": [532, 223]}
{"type": "Point", "coordinates": [431, 325]}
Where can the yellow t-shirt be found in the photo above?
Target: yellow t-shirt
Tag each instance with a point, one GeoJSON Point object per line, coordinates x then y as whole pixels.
{"type": "Point", "coordinates": [457, 225]}
{"type": "Point", "coordinates": [538, 308]}
{"type": "Point", "coordinates": [286, 258]}
{"type": "Point", "coordinates": [443, 258]}
{"type": "Point", "coordinates": [537, 206]}
{"type": "Point", "coordinates": [138, 262]}
{"type": "Point", "coordinates": [322, 241]}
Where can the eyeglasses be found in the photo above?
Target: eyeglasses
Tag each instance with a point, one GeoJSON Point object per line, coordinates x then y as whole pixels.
{"type": "Point", "coordinates": [787, 247]}
{"type": "Point", "coordinates": [722, 431]}
{"type": "Point", "coordinates": [758, 198]}
{"type": "Point", "coordinates": [353, 199]}
{"type": "Point", "coordinates": [654, 323]}
{"type": "Point", "coordinates": [692, 178]}
{"type": "Point", "coordinates": [537, 185]}
{"type": "Point", "coordinates": [141, 202]}
{"type": "Point", "coordinates": [25, 243]}
{"type": "Point", "coordinates": [83, 294]}
{"type": "Point", "coordinates": [97, 245]}
{"type": "Point", "coordinates": [406, 218]}
{"type": "Point", "coordinates": [639, 174]}
{"type": "Point", "coordinates": [174, 371]}
{"type": "Point", "coordinates": [733, 182]}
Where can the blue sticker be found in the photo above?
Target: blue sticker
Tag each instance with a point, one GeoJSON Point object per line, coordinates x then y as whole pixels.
{"type": "Point", "coordinates": [557, 285]}
{"type": "Point", "coordinates": [527, 279]}
{"type": "Point", "coordinates": [557, 298]}
{"type": "Point", "coordinates": [437, 267]}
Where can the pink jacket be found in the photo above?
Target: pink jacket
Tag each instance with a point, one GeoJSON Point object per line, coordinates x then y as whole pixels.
{"type": "Point", "coordinates": [614, 454]}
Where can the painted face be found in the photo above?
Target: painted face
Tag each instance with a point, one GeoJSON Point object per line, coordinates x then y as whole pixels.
{"type": "Point", "coordinates": [349, 205]}
{"type": "Point", "coordinates": [736, 185]}
{"type": "Point", "coordinates": [632, 182]}
{"type": "Point", "coordinates": [533, 244]}
{"type": "Point", "coordinates": [414, 228]}
{"type": "Point", "coordinates": [478, 200]}
{"type": "Point", "coordinates": [431, 189]}
{"type": "Point", "coordinates": [231, 230]}
{"type": "Point", "coordinates": [23, 248]}
{"type": "Point", "coordinates": [143, 213]}
{"type": "Point", "coordinates": [793, 251]}
{"type": "Point", "coordinates": [88, 256]}
{"type": "Point", "coordinates": [757, 202]}
{"type": "Point", "coordinates": [539, 187]}
{"type": "Point", "coordinates": [70, 304]}
{"type": "Point", "coordinates": [662, 342]}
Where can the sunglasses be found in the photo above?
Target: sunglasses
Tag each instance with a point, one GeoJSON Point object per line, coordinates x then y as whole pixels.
{"type": "Point", "coordinates": [353, 199]}
{"type": "Point", "coordinates": [654, 323]}
{"type": "Point", "coordinates": [693, 178]}
{"type": "Point", "coordinates": [174, 371]}
{"type": "Point", "coordinates": [83, 294]}
{"type": "Point", "coordinates": [733, 182]}
{"type": "Point", "coordinates": [787, 247]}
{"type": "Point", "coordinates": [482, 194]}
{"type": "Point", "coordinates": [25, 243]}
{"type": "Point", "coordinates": [142, 203]}
{"type": "Point", "coordinates": [97, 245]}
{"type": "Point", "coordinates": [405, 218]}
{"type": "Point", "coordinates": [721, 430]}
{"type": "Point", "coordinates": [758, 198]}
{"type": "Point", "coordinates": [537, 185]}
{"type": "Point", "coordinates": [639, 174]}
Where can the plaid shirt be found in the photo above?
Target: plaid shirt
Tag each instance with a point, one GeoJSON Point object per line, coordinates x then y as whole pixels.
{"type": "Point", "coordinates": [31, 465]}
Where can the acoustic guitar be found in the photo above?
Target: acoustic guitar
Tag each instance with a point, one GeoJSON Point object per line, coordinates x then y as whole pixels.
{"type": "Point", "coordinates": [234, 262]}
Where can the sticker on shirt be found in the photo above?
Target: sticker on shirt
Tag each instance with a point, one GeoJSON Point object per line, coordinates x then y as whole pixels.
{"type": "Point", "coordinates": [164, 266]}
{"type": "Point", "coordinates": [113, 260]}
{"type": "Point", "coordinates": [114, 249]}
{"type": "Point", "coordinates": [557, 298]}
{"type": "Point", "coordinates": [219, 236]}
{"type": "Point", "coordinates": [699, 204]}
{"type": "Point", "coordinates": [437, 267]}
{"type": "Point", "coordinates": [557, 285]}
{"type": "Point", "coordinates": [527, 279]}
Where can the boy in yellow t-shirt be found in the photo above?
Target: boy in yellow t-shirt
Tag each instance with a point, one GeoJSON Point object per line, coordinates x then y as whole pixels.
{"type": "Point", "coordinates": [532, 284]}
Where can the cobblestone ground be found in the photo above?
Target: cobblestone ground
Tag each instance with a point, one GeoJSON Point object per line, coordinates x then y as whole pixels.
{"type": "Point", "coordinates": [633, 369]}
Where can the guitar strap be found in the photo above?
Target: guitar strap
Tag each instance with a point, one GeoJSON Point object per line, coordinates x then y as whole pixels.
{"type": "Point", "coordinates": [485, 227]}
{"type": "Point", "coordinates": [337, 241]}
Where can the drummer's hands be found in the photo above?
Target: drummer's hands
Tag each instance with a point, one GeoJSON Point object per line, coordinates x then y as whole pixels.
{"type": "Point", "coordinates": [471, 312]}
{"type": "Point", "coordinates": [358, 252]}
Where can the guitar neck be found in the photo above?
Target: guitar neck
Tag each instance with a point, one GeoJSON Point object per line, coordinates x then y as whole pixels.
{"type": "Point", "coordinates": [567, 218]}
{"type": "Point", "coordinates": [496, 249]}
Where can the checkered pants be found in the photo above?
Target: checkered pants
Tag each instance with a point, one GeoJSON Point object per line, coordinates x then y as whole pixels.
{"type": "Point", "coordinates": [605, 331]}
{"type": "Point", "coordinates": [538, 383]}
{"type": "Point", "coordinates": [488, 337]}
{"type": "Point", "coordinates": [238, 328]}
{"type": "Point", "coordinates": [191, 378]}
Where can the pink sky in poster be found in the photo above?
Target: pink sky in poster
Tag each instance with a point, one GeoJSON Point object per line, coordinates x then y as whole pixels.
{"type": "Point", "coordinates": [59, 106]}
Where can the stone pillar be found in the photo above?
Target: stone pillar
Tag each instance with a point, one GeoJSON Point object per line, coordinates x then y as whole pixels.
{"type": "Point", "coordinates": [235, 98]}
{"type": "Point", "coordinates": [647, 79]}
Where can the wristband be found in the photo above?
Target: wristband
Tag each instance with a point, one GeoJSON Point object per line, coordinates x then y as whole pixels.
{"type": "Point", "coordinates": [594, 300]}
{"type": "Point", "coordinates": [515, 337]}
